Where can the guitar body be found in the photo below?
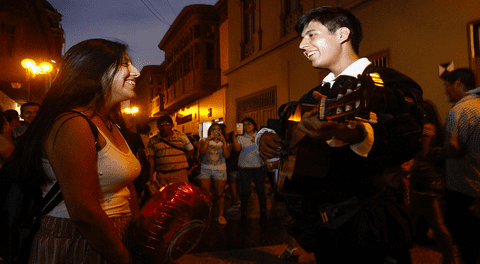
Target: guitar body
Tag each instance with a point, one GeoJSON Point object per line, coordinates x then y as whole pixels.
{"type": "Point", "coordinates": [304, 157]}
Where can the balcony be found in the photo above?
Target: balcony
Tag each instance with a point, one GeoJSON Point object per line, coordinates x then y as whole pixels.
{"type": "Point", "coordinates": [193, 86]}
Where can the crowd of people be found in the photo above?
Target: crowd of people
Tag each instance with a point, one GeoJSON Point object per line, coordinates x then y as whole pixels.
{"type": "Point", "coordinates": [362, 199]}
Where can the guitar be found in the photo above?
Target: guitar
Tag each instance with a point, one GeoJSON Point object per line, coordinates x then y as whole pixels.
{"type": "Point", "coordinates": [351, 103]}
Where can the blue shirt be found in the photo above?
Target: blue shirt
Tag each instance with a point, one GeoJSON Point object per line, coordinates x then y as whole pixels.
{"type": "Point", "coordinates": [249, 156]}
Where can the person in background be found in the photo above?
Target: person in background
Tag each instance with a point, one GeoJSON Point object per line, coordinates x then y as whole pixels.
{"type": "Point", "coordinates": [95, 176]}
{"type": "Point", "coordinates": [196, 140]}
{"type": "Point", "coordinates": [6, 139]}
{"type": "Point", "coordinates": [144, 132]}
{"type": "Point", "coordinates": [427, 185]}
{"type": "Point", "coordinates": [14, 116]}
{"type": "Point", "coordinates": [213, 173]}
{"type": "Point", "coordinates": [140, 141]}
{"type": "Point", "coordinates": [194, 163]}
{"type": "Point", "coordinates": [168, 152]}
{"type": "Point", "coordinates": [250, 166]}
{"type": "Point", "coordinates": [28, 111]}
{"type": "Point", "coordinates": [346, 213]}
{"type": "Point", "coordinates": [462, 168]}
{"type": "Point", "coordinates": [232, 174]}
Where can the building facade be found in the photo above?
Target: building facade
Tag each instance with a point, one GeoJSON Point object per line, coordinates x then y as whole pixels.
{"type": "Point", "coordinates": [192, 90]}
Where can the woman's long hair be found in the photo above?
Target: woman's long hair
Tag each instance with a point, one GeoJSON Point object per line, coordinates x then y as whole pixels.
{"type": "Point", "coordinates": [83, 80]}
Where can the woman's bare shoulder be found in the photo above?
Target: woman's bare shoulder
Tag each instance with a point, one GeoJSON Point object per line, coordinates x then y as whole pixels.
{"type": "Point", "coordinates": [70, 126]}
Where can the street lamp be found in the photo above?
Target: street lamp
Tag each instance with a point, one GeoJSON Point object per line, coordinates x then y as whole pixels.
{"type": "Point", "coordinates": [131, 111]}
{"type": "Point", "coordinates": [33, 69]}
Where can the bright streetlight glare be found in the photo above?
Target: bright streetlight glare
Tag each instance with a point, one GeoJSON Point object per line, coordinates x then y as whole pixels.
{"type": "Point", "coordinates": [30, 64]}
{"type": "Point", "coordinates": [129, 110]}
{"type": "Point", "coordinates": [46, 67]}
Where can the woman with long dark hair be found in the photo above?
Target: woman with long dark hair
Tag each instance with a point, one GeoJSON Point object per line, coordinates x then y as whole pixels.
{"type": "Point", "coordinates": [251, 166]}
{"type": "Point", "coordinates": [95, 176]}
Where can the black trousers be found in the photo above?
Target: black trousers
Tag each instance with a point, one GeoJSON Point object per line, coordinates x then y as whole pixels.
{"type": "Point", "coordinates": [259, 175]}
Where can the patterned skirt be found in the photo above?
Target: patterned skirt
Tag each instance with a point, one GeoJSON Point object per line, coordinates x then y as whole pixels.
{"type": "Point", "coordinates": [58, 241]}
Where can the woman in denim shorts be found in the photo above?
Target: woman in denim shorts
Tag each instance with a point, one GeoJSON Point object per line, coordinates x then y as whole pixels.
{"type": "Point", "coordinates": [213, 174]}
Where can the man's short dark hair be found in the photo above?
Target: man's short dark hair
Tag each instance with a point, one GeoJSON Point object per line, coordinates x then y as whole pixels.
{"type": "Point", "coordinates": [333, 18]}
{"type": "Point", "coordinates": [163, 119]}
{"type": "Point", "coordinates": [28, 104]}
{"type": "Point", "coordinates": [465, 76]}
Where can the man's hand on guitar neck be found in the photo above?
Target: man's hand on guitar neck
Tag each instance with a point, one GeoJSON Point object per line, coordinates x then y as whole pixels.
{"type": "Point", "coordinates": [326, 130]}
{"type": "Point", "coordinates": [269, 146]}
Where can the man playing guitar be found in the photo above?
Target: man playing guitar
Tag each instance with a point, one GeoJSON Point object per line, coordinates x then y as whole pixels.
{"type": "Point", "coordinates": [345, 212]}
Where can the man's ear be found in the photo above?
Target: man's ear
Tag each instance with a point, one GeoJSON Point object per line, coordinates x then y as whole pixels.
{"type": "Point", "coordinates": [343, 34]}
{"type": "Point", "coordinates": [459, 85]}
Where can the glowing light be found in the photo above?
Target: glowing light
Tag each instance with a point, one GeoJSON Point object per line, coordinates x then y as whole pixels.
{"type": "Point", "coordinates": [30, 64]}
{"type": "Point", "coordinates": [46, 67]}
{"type": "Point", "coordinates": [129, 110]}
{"type": "Point", "coordinates": [297, 117]}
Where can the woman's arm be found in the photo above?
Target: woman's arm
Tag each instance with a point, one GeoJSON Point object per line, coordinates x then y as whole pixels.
{"type": "Point", "coordinates": [236, 145]}
{"type": "Point", "coordinates": [428, 133]}
{"type": "Point", "coordinates": [73, 158]}
{"type": "Point", "coordinates": [204, 144]}
{"type": "Point", "coordinates": [226, 147]}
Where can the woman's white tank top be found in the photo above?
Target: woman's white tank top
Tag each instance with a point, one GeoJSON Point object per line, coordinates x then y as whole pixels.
{"type": "Point", "coordinates": [116, 170]}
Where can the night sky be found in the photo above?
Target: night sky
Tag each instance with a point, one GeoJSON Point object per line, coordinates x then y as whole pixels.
{"type": "Point", "coordinates": [139, 23]}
